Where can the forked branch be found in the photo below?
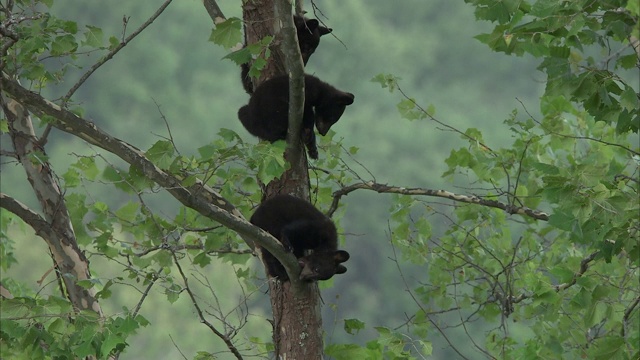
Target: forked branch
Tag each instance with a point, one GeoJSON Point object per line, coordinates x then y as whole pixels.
{"type": "Point", "coordinates": [198, 196]}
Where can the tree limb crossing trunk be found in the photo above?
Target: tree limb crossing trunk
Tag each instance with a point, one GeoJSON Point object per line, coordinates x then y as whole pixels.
{"type": "Point", "coordinates": [297, 321]}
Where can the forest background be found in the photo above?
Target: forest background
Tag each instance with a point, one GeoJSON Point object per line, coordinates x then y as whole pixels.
{"type": "Point", "coordinates": [172, 71]}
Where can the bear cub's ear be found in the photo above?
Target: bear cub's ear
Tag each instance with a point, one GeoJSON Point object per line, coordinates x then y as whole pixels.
{"type": "Point", "coordinates": [345, 99]}
{"type": "Point", "coordinates": [311, 25]}
{"type": "Point", "coordinates": [341, 256]}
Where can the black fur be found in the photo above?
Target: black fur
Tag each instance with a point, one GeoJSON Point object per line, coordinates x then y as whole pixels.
{"type": "Point", "coordinates": [267, 114]}
{"type": "Point", "coordinates": [309, 33]}
{"type": "Point", "coordinates": [300, 226]}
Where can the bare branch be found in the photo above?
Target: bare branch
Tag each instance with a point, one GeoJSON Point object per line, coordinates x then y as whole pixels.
{"type": "Point", "coordinates": [191, 247]}
{"type": "Point", "coordinates": [8, 154]}
{"type": "Point", "coordinates": [440, 122]}
{"type": "Point", "coordinates": [627, 315]}
{"type": "Point", "coordinates": [214, 10]}
{"type": "Point", "coordinates": [418, 303]}
{"type": "Point", "coordinates": [30, 217]}
{"type": "Point", "coordinates": [471, 199]}
{"type": "Point", "coordinates": [203, 320]}
{"type": "Point", "coordinates": [584, 266]}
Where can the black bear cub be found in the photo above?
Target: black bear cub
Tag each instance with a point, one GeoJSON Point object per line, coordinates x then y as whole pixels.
{"type": "Point", "coordinates": [300, 226]}
{"type": "Point", "coordinates": [309, 32]}
{"type": "Point", "coordinates": [267, 114]}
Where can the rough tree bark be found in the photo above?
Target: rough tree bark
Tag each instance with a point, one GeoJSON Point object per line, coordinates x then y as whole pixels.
{"type": "Point", "coordinates": [297, 321]}
{"type": "Point", "coordinates": [55, 228]}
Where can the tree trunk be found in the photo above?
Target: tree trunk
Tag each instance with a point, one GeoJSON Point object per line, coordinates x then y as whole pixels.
{"type": "Point", "coordinates": [55, 228]}
{"type": "Point", "coordinates": [297, 321]}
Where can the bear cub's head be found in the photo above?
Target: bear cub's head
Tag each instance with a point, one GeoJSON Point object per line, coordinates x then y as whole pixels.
{"type": "Point", "coordinates": [309, 33]}
{"type": "Point", "coordinates": [329, 110]}
{"type": "Point", "coordinates": [322, 265]}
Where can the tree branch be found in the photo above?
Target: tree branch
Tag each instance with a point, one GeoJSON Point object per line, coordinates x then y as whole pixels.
{"type": "Point", "coordinates": [295, 70]}
{"type": "Point", "coordinates": [471, 199]}
{"type": "Point", "coordinates": [55, 228]}
{"type": "Point", "coordinates": [199, 196]}
{"type": "Point", "coordinates": [214, 10]}
{"type": "Point", "coordinates": [627, 315]}
{"type": "Point", "coordinates": [30, 217]}
{"type": "Point", "coordinates": [226, 339]}
{"type": "Point", "coordinates": [584, 266]}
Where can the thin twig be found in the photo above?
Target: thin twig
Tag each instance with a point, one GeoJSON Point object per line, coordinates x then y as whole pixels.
{"type": "Point", "coordinates": [112, 53]}
{"type": "Point", "coordinates": [584, 266]}
{"type": "Point", "coordinates": [222, 336]}
{"type": "Point", "coordinates": [440, 122]}
{"type": "Point", "coordinates": [627, 314]}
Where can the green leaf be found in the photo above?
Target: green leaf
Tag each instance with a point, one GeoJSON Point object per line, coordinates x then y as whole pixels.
{"type": "Point", "coordinates": [71, 178]}
{"type": "Point", "coordinates": [628, 61]}
{"type": "Point", "coordinates": [608, 347]}
{"type": "Point", "coordinates": [227, 33]}
{"type": "Point", "coordinates": [88, 167]}
{"type": "Point", "coordinates": [202, 259]}
{"type": "Point", "coordinates": [128, 211]}
{"type": "Point", "coordinates": [257, 67]}
{"type": "Point", "coordinates": [229, 135]}
{"type": "Point", "coordinates": [408, 110]}
{"type": "Point", "coordinates": [173, 293]}
{"type": "Point", "coordinates": [110, 343]}
{"type": "Point", "coordinates": [582, 299]}
{"type": "Point", "coordinates": [387, 81]}
{"type": "Point", "coordinates": [544, 8]}
{"type": "Point", "coordinates": [113, 42]}
{"type": "Point", "coordinates": [559, 51]}
{"type": "Point", "coordinates": [629, 99]}
{"type": "Point", "coordinates": [93, 37]}
{"type": "Point", "coordinates": [161, 153]}
{"type": "Point", "coordinates": [562, 273]}
{"type": "Point", "coordinates": [565, 221]}
{"type": "Point", "coordinates": [240, 56]}
{"type": "Point", "coordinates": [62, 45]}
{"type": "Point", "coordinates": [353, 326]}
{"type": "Point", "coordinates": [545, 168]}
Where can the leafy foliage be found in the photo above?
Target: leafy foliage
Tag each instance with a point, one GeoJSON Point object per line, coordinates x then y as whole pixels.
{"type": "Point", "coordinates": [566, 280]}
{"type": "Point", "coordinates": [34, 328]}
{"type": "Point", "coordinates": [509, 285]}
{"type": "Point", "coordinates": [568, 35]}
